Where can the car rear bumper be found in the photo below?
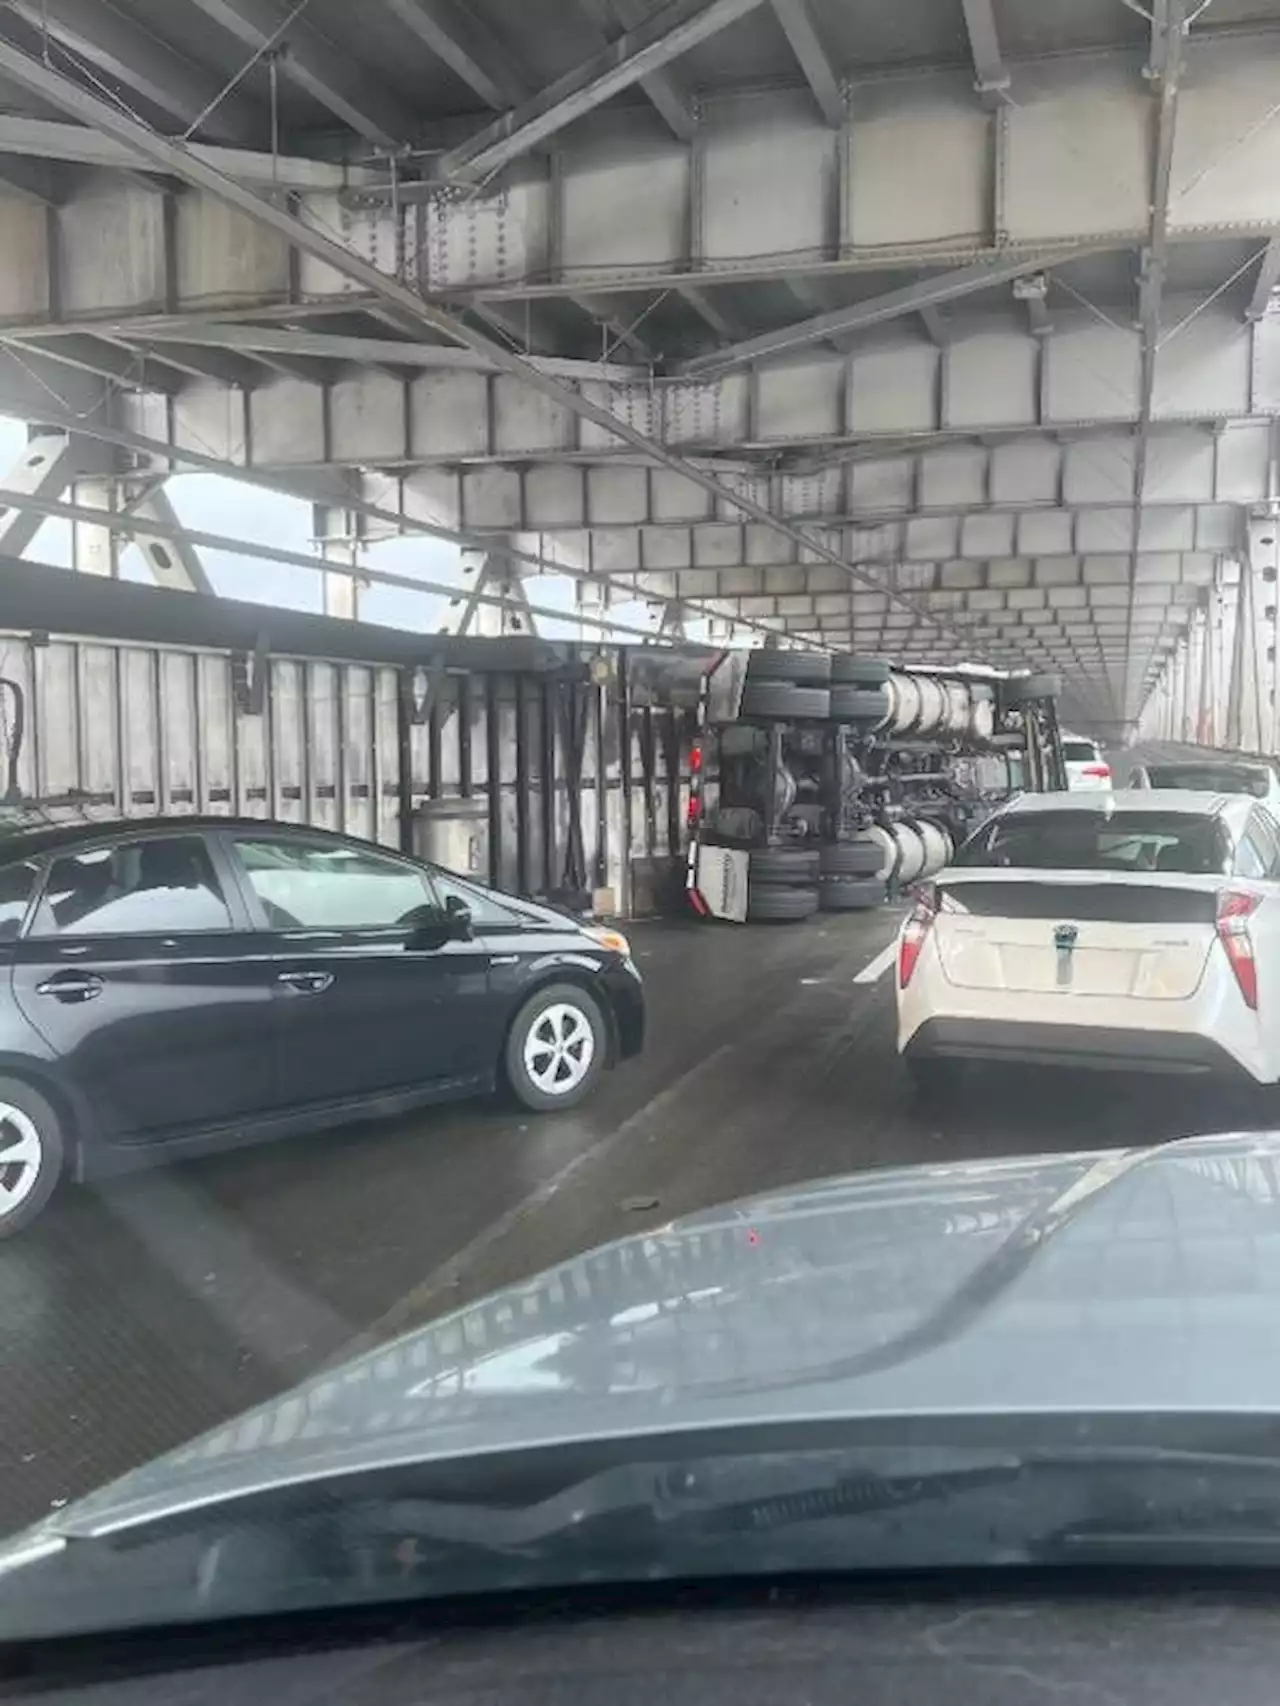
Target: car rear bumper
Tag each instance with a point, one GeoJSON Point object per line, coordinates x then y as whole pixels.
{"type": "Point", "coordinates": [1093, 1047]}
{"type": "Point", "coordinates": [1210, 1032]}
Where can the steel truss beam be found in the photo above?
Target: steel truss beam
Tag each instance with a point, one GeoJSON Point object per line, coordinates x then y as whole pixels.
{"type": "Point", "coordinates": [145, 65]}
{"type": "Point", "coordinates": [990, 74]}
{"type": "Point", "coordinates": [307, 485]}
{"type": "Point", "coordinates": [51, 460]}
{"type": "Point", "coordinates": [460, 41]}
{"type": "Point", "coordinates": [129, 525]}
{"type": "Point", "coordinates": [287, 343]}
{"type": "Point", "coordinates": [98, 355]}
{"type": "Point", "coordinates": [326, 75]}
{"type": "Point", "coordinates": [1268, 277]}
{"type": "Point", "coordinates": [893, 305]}
{"type": "Point", "coordinates": [798, 26]}
{"type": "Point", "coordinates": [662, 87]}
{"type": "Point", "coordinates": [47, 139]}
{"type": "Point", "coordinates": [169, 550]}
{"type": "Point", "coordinates": [679, 26]}
{"type": "Point", "coordinates": [174, 158]}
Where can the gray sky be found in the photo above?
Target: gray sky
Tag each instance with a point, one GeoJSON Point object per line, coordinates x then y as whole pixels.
{"type": "Point", "coordinates": [212, 504]}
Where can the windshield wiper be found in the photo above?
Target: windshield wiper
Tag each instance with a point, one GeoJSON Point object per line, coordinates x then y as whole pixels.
{"type": "Point", "coordinates": [731, 1515]}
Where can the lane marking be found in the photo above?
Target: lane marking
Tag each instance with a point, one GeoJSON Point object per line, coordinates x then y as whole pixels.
{"type": "Point", "coordinates": [873, 972]}
{"type": "Point", "coordinates": [411, 1310]}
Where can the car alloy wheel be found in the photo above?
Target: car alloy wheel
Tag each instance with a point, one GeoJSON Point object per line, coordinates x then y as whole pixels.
{"type": "Point", "coordinates": [22, 1159]}
{"type": "Point", "coordinates": [559, 1049]}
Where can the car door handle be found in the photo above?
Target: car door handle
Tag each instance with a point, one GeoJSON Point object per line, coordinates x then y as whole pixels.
{"type": "Point", "coordinates": [71, 987]}
{"type": "Point", "coordinates": [307, 982]}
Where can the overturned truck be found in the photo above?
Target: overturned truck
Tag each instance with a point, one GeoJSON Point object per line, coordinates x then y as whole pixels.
{"type": "Point", "coordinates": [831, 784]}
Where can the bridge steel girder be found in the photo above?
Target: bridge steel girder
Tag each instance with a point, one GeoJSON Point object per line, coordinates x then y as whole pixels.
{"type": "Point", "coordinates": [64, 94]}
{"type": "Point", "coordinates": [1072, 158]}
{"type": "Point", "coordinates": [1069, 163]}
{"type": "Point", "coordinates": [989, 384]}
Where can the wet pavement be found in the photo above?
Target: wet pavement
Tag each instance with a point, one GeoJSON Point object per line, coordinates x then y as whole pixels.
{"type": "Point", "coordinates": [138, 1313]}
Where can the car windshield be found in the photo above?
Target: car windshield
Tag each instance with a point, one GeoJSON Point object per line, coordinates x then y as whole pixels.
{"type": "Point", "coordinates": [1212, 778]}
{"type": "Point", "coordinates": [1079, 752]}
{"type": "Point", "coordinates": [1095, 841]}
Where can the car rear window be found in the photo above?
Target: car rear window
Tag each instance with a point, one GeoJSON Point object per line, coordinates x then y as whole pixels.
{"type": "Point", "coordinates": [1079, 751]}
{"type": "Point", "coordinates": [1212, 778]}
{"type": "Point", "coordinates": [1101, 841]}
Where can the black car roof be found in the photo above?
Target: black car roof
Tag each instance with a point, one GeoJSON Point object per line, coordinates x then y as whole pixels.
{"type": "Point", "coordinates": [26, 832]}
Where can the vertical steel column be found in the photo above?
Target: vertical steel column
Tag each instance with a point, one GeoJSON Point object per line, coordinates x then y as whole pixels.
{"type": "Point", "coordinates": [493, 776]}
{"type": "Point", "coordinates": [547, 709]}
{"type": "Point", "coordinates": [1198, 650]}
{"type": "Point", "coordinates": [522, 787]}
{"type": "Point", "coordinates": [1258, 610]}
{"type": "Point", "coordinates": [624, 761]}
{"type": "Point", "coordinates": [1239, 652]}
{"type": "Point", "coordinates": [466, 776]}
{"type": "Point", "coordinates": [94, 549]}
{"type": "Point", "coordinates": [340, 536]}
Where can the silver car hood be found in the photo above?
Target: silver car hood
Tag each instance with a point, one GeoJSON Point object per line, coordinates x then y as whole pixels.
{"type": "Point", "coordinates": [1125, 1282]}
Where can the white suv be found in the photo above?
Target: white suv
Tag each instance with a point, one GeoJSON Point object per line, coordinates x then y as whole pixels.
{"type": "Point", "coordinates": [1087, 770]}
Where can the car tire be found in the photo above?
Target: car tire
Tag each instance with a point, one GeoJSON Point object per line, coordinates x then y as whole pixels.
{"type": "Point", "coordinates": [847, 671]}
{"type": "Point", "coordinates": [771, 903]}
{"type": "Point", "coordinates": [560, 1021]}
{"type": "Point", "coordinates": [781, 702]}
{"type": "Point", "coordinates": [851, 894]}
{"type": "Point", "coordinates": [852, 859]}
{"type": "Point", "coordinates": [797, 669]}
{"type": "Point", "coordinates": [784, 867]}
{"type": "Point", "coordinates": [868, 706]}
{"type": "Point", "coordinates": [29, 1127]}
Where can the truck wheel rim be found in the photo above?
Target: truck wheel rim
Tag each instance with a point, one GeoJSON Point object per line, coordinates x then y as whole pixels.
{"type": "Point", "coordinates": [559, 1049]}
{"type": "Point", "coordinates": [21, 1157]}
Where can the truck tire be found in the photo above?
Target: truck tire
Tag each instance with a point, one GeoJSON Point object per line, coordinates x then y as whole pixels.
{"type": "Point", "coordinates": [1023, 688]}
{"type": "Point", "coordinates": [852, 859]}
{"type": "Point", "coordinates": [780, 702]}
{"type": "Point", "coordinates": [851, 671]}
{"type": "Point", "coordinates": [851, 894]}
{"type": "Point", "coordinates": [786, 867]}
{"type": "Point", "coordinates": [868, 706]}
{"type": "Point", "coordinates": [743, 740]}
{"type": "Point", "coordinates": [799, 669]}
{"type": "Point", "coordinates": [775, 904]}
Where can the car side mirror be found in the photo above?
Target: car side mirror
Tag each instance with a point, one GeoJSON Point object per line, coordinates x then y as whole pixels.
{"type": "Point", "coordinates": [457, 918]}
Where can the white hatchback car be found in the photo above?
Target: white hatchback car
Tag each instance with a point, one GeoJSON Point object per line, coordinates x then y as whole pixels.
{"type": "Point", "coordinates": [1131, 930]}
{"type": "Point", "coordinates": [1214, 775]}
{"type": "Point", "coordinates": [1086, 764]}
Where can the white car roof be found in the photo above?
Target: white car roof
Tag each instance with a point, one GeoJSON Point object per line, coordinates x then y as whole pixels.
{"type": "Point", "coordinates": [1234, 807]}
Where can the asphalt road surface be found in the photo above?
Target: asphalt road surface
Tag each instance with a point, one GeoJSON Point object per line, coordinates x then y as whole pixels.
{"type": "Point", "coordinates": [135, 1315]}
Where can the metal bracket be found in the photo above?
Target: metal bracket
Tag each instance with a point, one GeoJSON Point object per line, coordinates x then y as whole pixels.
{"type": "Point", "coordinates": [249, 677]}
{"type": "Point", "coordinates": [423, 688]}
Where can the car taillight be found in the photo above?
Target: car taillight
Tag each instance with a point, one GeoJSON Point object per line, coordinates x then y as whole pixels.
{"type": "Point", "coordinates": [1235, 908]}
{"type": "Point", "coordinates": [1096, 770]}
{"type": "Point", "coordinates": [915, 932]}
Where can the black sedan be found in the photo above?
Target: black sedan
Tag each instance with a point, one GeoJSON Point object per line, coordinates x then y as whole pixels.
{"type": "Point", "coordinates": [174, 986]}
